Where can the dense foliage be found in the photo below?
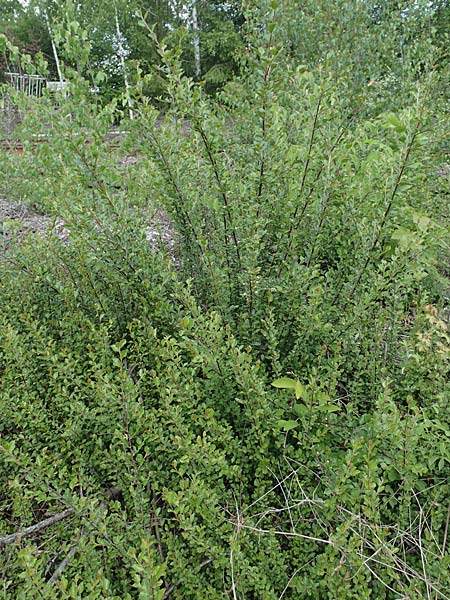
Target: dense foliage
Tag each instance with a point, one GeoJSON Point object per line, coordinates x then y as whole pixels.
{"type": "Point", "coordinates": [117, 42]}
{"type": "Point", "coordinates": [255, 404]}
{"type": "Point", "coordinates": [384, 41]}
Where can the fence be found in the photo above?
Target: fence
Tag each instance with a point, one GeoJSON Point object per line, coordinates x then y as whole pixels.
{"type": "Point", "coordinates": [28, 84]}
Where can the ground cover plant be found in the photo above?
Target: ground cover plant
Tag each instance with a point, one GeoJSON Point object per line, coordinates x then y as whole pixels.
{"type": "Point", "coordinates": [257, 407]}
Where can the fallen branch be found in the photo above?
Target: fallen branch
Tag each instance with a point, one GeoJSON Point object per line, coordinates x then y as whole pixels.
{"type": "Point", "coordinates": [13, 537]}
{"type": "Point", "coordinates": [60, 568]}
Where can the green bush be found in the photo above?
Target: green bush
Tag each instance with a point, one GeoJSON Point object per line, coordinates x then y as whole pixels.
{"type": "Point", "coordinates": [308, 249]}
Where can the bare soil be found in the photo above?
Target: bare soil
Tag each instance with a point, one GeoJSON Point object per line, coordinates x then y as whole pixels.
{"type": "Point", "coordinates": [18, 220]}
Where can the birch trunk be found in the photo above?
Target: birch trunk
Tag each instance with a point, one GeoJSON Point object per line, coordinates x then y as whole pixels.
{"type": "Point", "coordinates": [122, 61]}
{"type": "Point", "coordinates": [55, 52]}
{"type": "Point", "coordinates": [198, 70]}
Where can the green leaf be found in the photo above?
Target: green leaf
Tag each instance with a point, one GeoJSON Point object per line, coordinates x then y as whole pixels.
{"type": "Point", "coordinates": [323, 398]}
{"type": "Point", "coordinates": [298, 390]}
{"type": "Point", "coordinates": [393, 121]}
{"type": "Point", "coordinates": [300, 410]}
{"type": "Point", "coordinates": [330, 407]}
{"type": "Point", "coordinates": [422, 221]}
{"type": "Point", "coordinates": [287, 425]}
{"type": "Point", "coordinates": [285, 383]}
{"type": "Point", "coordinates": [404, 237]}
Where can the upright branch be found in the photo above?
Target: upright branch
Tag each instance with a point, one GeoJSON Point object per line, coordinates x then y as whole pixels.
{"type": "Point", "coordinates": [266, 78]}
{"type": "Point", "coordinates": [183, 214]}
{"type": "Point", "coordinates": [180, 207]}
{"type": "Point", "coordinates": [294, 225]}
{"type": "Point", "coordinates": [227, 216]}
{"type": "Point", "coordinates": [387, 210]}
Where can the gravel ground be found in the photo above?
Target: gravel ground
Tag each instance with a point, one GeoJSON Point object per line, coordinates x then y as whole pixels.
{"type": "Point", "coordinates": [17, 220]}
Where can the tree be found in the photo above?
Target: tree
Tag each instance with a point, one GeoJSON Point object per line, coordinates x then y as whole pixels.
{"type": "Point", "coordinates": [116, 41]}
{"type": "Point", "coordinates": [25, 29]}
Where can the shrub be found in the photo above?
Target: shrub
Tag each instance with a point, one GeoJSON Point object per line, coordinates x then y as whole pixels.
{"type": "Point", "coordinates": [140, 430]}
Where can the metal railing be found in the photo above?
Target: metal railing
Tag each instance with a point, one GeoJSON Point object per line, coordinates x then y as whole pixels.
{"type": "Point", "coordinates": [28, 84]}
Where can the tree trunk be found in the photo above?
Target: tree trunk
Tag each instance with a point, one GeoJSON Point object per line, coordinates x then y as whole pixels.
{"type": "Point", "coordinates": [55, 53]}
{"type": "Point", "coordinates": [198, 70]}
{"type": "Point", "coordinates": [122, 61]}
